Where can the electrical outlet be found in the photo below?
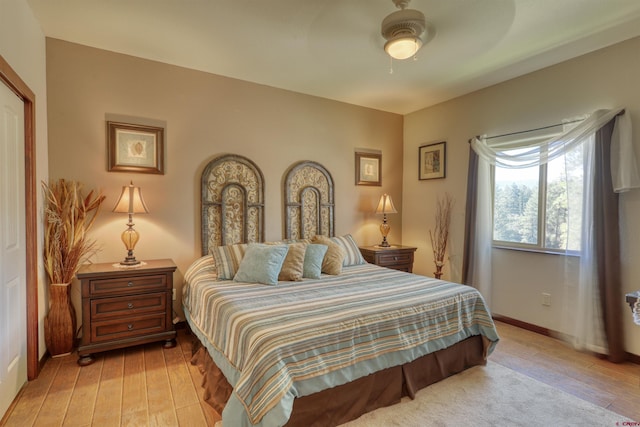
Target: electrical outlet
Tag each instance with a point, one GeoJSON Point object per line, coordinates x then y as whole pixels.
{"type": "Point", "coordinates": [174, 294]}
{"type": "Point", "coordinates": [546, 299]}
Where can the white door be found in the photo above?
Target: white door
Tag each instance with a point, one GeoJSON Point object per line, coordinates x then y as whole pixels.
{"type": "Point", "coordinates": [13, 320]}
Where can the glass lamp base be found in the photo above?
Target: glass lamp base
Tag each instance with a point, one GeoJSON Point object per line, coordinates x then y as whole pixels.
{"type": "Point", "coordinates": [130, 237]}
{"type": "Point", "coordinates": [384, 230]}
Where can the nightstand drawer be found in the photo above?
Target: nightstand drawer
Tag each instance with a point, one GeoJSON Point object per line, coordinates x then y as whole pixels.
{"type": "Point", "coordinates": [128, 306]}
{"type": "Point", "coordinates": [397, 257]}
{"type": "Point", "coordinates": [393, 259]}
{"type": "Point", "coordinates": [128, 285]}
{"type": "Point", "coordinates": [109, 330]}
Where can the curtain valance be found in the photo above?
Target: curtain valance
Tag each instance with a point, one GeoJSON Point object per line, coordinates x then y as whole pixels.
{"type": "Point", "coordinates": [624, 169]}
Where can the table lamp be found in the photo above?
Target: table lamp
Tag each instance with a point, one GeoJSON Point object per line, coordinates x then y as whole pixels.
{"type": "Point", "coordinates": [385, 206]}
{"type": "Point", "coordinates": [130, 202]}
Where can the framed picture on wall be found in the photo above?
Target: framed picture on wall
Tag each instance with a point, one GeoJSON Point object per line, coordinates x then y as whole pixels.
{"type": "Point", "coordinates": [368, 169]}
{"type": "Point", "coordinates": [135, 148]}
{"type": "Point", "coordinates": [432, 161]}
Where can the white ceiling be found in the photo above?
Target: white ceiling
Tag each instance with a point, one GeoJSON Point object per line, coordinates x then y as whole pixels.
{"type": "Point", "coordinates": [333, 48]}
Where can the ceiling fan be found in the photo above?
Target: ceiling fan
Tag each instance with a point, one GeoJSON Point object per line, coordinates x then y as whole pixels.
{"type": "Point", "coordinates": [403, 30]}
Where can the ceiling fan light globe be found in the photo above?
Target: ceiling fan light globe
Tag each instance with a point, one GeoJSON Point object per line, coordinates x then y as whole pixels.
{"type": "Point", "coordinates": [403, 47]}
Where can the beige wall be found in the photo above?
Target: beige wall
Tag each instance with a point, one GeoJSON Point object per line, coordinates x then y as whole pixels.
{"type": "Point", "coordinates": [207, 115]}
{"type": "Point", "coordinates": [602, 79]}
{"type": "Point", "coordinates": [22, 45]}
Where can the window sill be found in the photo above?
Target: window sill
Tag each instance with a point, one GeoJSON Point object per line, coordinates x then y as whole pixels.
{"type": "Point", "coordinates": [537, 250]}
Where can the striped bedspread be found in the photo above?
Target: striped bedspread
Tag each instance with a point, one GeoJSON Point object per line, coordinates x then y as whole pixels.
{"type": "Point", "coordinates": [274, 343]}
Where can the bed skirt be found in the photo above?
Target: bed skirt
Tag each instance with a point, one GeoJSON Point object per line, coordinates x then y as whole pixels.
{"type": "Point", "coordinates": [347, 402]}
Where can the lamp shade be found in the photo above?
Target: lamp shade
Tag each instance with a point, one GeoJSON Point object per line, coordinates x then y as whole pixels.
{"type": "Point", "coordinates": [385, 205]}
{"type": "Point", "coordinates": [130, 201]}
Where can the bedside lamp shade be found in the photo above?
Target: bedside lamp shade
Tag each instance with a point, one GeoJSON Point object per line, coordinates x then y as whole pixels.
{"type": "Point", "coordinates": [130, 202]}
{"type": "Point", "coordinates": [385, 206]}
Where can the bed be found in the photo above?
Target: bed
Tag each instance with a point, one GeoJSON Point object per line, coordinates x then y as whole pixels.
{"type": "Point", "coordinates": [327, 348]}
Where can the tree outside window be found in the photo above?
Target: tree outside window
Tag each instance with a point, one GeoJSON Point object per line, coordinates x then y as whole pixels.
{"type": "Point", "coordinates": [540, 208]}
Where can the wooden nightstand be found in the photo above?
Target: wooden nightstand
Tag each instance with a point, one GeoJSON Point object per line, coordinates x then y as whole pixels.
{"type": "Point", "coordinates": [396, 256]}
{"type": "Point", "coordinates": [122, 307]}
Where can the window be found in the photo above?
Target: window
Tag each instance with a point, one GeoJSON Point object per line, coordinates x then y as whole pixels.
{"type": "Point", "coordinates": [540, 207]}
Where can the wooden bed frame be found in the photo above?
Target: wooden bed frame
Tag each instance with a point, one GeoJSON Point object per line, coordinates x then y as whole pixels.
{"type": "Point", "coordinates": [232, 212]}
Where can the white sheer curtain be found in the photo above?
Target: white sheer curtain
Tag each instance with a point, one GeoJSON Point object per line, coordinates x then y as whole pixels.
{"type": "Point", "coordinates": [481, 275]}
{"type": "Point", "coordinates": [588, 328]}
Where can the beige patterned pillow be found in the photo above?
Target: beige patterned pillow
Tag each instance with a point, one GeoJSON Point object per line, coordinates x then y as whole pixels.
{"type": "Point", "coordinates": [333, 259]}
{"type": "Point", "coordinates": [293, 264]}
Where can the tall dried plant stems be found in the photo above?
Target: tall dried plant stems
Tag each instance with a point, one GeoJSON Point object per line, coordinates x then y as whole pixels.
{"type": "Point", "coordinates": [68, 218]}
{"type": "Point", "coordinates": [440, 236]}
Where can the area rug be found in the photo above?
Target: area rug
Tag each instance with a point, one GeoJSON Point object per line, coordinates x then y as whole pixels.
{"type": "Point", "coordinates": [491, 395]}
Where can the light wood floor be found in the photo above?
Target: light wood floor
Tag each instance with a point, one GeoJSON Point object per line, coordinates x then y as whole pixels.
{"type": "Point", "coordinates": [151, 386]}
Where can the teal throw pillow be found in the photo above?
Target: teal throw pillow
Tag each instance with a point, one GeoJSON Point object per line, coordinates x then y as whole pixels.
{"type": "Point", "coordinates": [261, 264]}
{"type": "Point", "coordinates": [313, 256]}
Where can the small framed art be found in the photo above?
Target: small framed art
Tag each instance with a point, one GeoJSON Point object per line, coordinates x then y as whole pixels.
{"type": "Point", "coordinates": [135, 148]}
{"type": "Point", "coordinates": [368, 169]}
{"type": "Point", "coordinates": [432, 161]}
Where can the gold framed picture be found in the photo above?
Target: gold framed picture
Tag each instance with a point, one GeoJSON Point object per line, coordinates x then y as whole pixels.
{"type": "Point", "coordinates": [135, 148]}
{"type": "Point", "coordinates": [432, 161]}
{"type": "Point", "coordinates": [368, 169]}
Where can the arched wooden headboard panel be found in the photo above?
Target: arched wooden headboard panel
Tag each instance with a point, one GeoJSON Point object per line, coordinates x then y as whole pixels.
{"type": "Point", "coordinates": [309, 205]}
{"type": "Point", "coordinates": [232, 202]}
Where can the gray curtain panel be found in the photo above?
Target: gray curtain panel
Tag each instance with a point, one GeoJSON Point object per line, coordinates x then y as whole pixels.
{"type": "Point", "coordinates": [468, 260]}
{"type": "Point", "coordinates": [607, 245]}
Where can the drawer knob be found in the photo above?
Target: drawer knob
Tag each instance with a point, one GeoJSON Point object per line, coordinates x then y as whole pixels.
{"type": "Point", "coordinates": [130, 284]}
{"type": "Point", "coordinates": [130, 327]}
{"type": "Point", "coordinates": [130, 305]}
{"type": "Point", "coordinates": [395, 258]}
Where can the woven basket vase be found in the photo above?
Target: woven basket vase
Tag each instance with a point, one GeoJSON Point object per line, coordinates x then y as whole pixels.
{"type": "Point", "coordinates": [60, 323]}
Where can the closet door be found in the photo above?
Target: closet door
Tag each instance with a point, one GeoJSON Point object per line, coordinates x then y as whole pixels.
{"type": "Point", "coordinates": [13, 318]}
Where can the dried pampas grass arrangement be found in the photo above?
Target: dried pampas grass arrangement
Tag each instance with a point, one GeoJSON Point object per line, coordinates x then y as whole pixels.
{"type": "Point", "coordinates": [440, 236]}
{"type": "Point", "coordinates": [68, 216]}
